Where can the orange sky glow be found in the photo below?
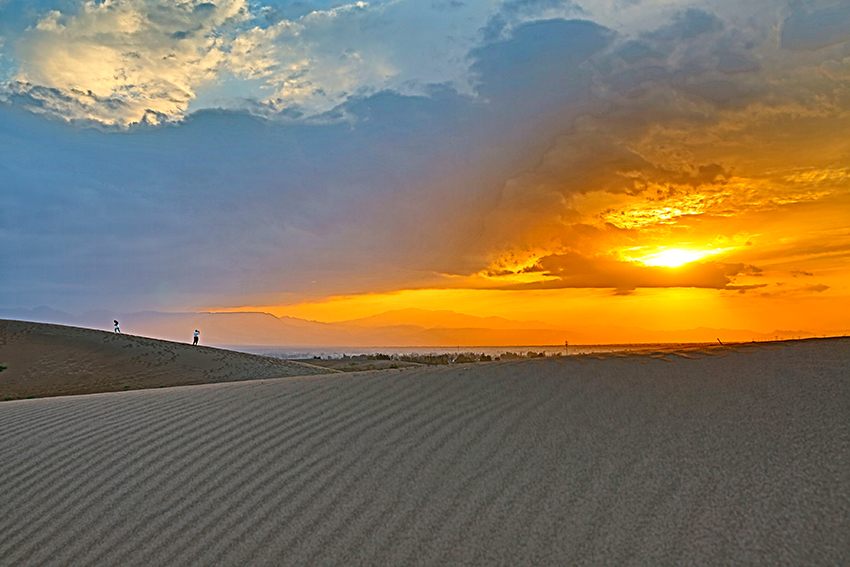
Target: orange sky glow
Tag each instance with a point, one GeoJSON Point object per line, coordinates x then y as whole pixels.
{"type": "Point", "coordinates": [783, 247]}
{"type": "Point", "coordinates": [653, 165]}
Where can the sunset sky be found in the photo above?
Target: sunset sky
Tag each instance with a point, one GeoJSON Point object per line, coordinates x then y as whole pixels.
{"type": "Point", "coordinates": [657, 163]}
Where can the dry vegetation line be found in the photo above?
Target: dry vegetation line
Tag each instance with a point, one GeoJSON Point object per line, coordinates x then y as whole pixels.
{"type": "Point", "coordinates": [740, 458]}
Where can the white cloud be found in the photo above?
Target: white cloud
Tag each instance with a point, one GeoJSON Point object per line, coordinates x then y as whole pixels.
{"type": "Point", "coordinates": [122, 60]}
{"type": "Point", "coordinates": [316, 61]}
{"type": "Point", "coordinates": [119, 62]}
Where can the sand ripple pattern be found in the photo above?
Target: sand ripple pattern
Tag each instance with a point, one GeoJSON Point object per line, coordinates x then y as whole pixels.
{"type": "Point", "coordinates": [724, 457]}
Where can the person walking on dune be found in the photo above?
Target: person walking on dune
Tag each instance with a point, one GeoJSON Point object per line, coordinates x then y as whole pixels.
{"type": "Point", "coordinates": [117, 328]}
{"type": "Point", "coordinates": [197, 334]}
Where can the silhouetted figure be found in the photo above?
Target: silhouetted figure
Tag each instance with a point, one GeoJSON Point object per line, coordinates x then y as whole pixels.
{"type": "Point", "coordinates": [117, 328]}
{"type": "Point", "coordinates": [197, 334]}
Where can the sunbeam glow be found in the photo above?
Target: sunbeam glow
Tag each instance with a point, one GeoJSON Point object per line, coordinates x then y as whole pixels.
{"type": "Point", "coordinates": [675, 257]}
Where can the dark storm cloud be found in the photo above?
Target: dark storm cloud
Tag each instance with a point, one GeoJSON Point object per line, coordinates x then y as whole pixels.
{"type": "Point", "coordinates": [732, 63]}
{"type": "Point", "coordinates": [540, 63]}
{"type": "Point", "coordinates": [204, 8]}
{"type": "Point", "coordinates": [186, 211]}
{"type": "Point", "coordinates": [635, 51]}
{"type": "Point", "coordinates": [695, 56]}
{"type": "Point", "coordinates": [724, 94]}
{"type": "Point", "coordinates": [513, 12]}
{"type": "Point", "coordinates": [687, 25]}
{"type": "Point", "coordinates": [808, 29]}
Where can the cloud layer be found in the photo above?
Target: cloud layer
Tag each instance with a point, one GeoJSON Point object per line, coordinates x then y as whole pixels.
{"type": "Point", "coordinates": [124, 62]}
{"type": "Point", "coordinates": [252, 154]}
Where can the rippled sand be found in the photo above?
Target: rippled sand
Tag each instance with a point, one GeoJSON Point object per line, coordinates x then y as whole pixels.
{"type": "Point", "coordinates": [724, 456]}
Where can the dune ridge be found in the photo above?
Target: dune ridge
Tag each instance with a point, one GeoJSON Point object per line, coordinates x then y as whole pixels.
{"type": "Point", "coordinates": [395, 328]}
{"type": "Point", "coordinates": [47, 360]}
{"type": "Point", "coordinates": [729, 455]}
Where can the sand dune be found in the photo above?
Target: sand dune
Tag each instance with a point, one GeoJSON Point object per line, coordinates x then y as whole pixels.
{"type": "Point", "coordinates": [49, 360]}
{"type": "Point", "coordinates": [726, 456]}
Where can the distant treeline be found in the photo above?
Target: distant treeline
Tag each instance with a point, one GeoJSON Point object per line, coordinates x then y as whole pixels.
{"type": "Point", "coordinates": [458, 358]}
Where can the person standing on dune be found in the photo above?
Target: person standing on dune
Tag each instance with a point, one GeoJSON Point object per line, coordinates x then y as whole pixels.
{"type": "Point", "coordinates": [117, 329]}
{"type": "Point", "coordinates": [197, 334]}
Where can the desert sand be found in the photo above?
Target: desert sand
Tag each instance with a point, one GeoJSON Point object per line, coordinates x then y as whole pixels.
{"type": "Point", "coordinates": [49, 360]}
{"type": "Point", "coordinates": [722, 456]}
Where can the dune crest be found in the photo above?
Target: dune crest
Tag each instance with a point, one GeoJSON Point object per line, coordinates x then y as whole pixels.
{"type": "Point", "coordinates": [49, 360]}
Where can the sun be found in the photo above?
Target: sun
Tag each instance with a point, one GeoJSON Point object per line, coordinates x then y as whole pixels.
{"type": "Point", "coordinates": [675, 257]}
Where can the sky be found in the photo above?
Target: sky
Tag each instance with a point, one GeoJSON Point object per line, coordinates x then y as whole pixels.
{"type": "Point", "coordinates": [657, 163]}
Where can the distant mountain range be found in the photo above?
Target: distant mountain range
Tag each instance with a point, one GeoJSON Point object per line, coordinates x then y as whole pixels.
{"type": "Point", "coordinates": [398, 328]}
{"type": "Point", "coordinates": [429, 319]}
